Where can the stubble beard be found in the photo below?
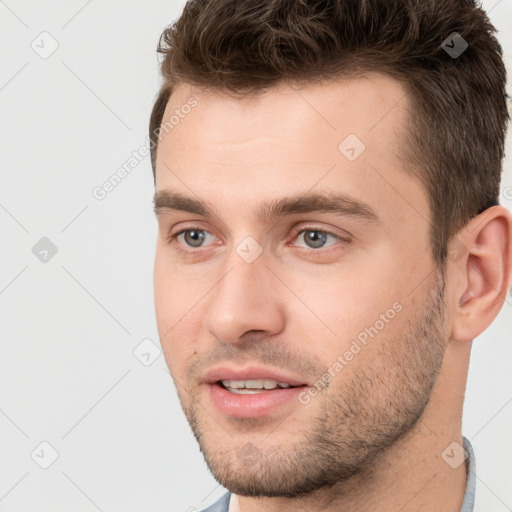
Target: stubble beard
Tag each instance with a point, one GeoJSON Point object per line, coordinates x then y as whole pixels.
{"type": "Point", "coordinates": [359, 417]}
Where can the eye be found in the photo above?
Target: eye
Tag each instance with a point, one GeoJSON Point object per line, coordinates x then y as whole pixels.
{"type": "Point", "coordinates": [316, 238]}
{"type": "Point", "coordinates": [192, 237]}
{"type": "Point", "coordinates": [195, 238]}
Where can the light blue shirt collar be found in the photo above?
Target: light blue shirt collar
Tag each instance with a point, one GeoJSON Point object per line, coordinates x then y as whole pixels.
{"type": "Point", "coordinates": [469, 496]}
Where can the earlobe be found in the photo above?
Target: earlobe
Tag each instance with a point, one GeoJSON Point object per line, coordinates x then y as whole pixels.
{"type": "Point", "coordinates": [487, 271]}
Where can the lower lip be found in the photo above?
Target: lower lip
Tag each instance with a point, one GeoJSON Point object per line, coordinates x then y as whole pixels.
{"type": "Point", "coordinates": [251, 405]}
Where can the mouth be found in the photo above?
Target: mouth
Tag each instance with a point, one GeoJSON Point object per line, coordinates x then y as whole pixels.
{"type": "Point", "coordinates": [253, 386]}
{"type": "Point", "coordinates": [253, 392]}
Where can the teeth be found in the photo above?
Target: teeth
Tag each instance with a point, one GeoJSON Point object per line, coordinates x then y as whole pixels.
{"type": "Point", "coordinates": [252, 386]}
{"type": "Point", "coordinates": [244, 391]}
{"type": "Point", "coordinates": [235, 384]}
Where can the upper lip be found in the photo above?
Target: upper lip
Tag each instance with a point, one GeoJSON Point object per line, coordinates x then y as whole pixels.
{"type": "Point", "coordinates": [250, 373]}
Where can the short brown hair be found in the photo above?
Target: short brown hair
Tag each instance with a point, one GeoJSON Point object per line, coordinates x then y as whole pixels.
{"type": "Point", "coordinates": [457, 106]}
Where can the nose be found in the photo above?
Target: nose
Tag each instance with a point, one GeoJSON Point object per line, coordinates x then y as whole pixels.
{"type": "Point", "coordinates": [246, 298]}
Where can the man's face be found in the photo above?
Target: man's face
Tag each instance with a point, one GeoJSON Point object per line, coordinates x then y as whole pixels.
{"type": "Point", "coordinates": [343, 306]}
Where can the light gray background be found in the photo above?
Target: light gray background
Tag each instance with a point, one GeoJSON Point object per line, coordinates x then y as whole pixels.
{"type": "Point", "coordinates": [69, 326]}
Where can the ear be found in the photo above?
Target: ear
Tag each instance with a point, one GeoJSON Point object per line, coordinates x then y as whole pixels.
{"type": "Point", "coordinates": [480, 260]}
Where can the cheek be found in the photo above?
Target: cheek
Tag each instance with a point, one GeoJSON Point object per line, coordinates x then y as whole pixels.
{"type": "Point", "coordinates": [344, 301]}
{"type": "Point", "coordinates": [162, 282]}
{"type": "Point", "coordinates": [178, 313]}
{"type": "Point", "coordinates": [179, 343]}
{"type": "Point", "coordinates": [173, 290]}
{"type": "Point", "coordinates": [358, 321]}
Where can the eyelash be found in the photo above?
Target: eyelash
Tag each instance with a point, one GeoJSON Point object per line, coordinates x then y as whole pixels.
{"type": "Point", "coordinates": [172, 238]}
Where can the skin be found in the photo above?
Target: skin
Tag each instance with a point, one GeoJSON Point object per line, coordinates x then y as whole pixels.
{"type": "Point", "coordinates": [385, 418]}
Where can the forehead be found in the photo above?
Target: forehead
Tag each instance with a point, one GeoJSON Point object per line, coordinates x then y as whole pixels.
{"type": "Point", "coordinates": [352, 105]}
{"type": "Point", "coordinates": [344, 135]}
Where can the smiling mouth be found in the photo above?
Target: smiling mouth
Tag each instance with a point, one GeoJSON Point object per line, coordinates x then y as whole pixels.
{"type": "Point", "coordinates": [253, 386]}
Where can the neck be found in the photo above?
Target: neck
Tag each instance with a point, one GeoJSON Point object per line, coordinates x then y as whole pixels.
{"type": "Point", "coordinates": [410, 475]}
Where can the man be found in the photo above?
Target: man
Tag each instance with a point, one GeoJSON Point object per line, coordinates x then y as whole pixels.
{"type": "Point", "coordinates": [330, 243]}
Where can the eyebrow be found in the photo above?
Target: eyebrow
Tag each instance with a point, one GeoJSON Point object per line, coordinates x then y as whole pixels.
{"type": "Point", "coordinates": [340, 204]}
